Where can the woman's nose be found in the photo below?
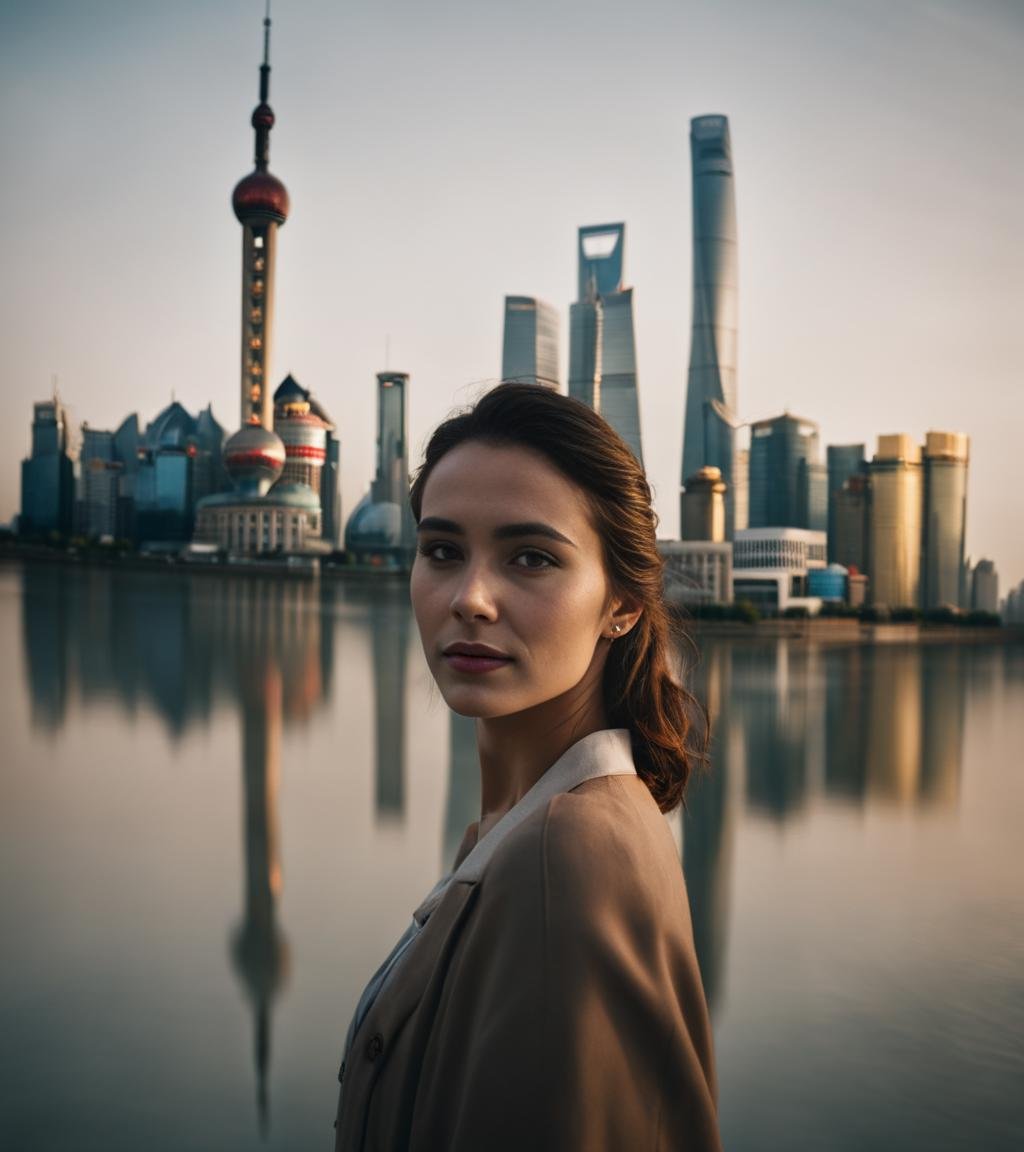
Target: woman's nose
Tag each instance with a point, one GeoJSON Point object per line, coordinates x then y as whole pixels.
{"type": "Point", "coordinates": [474, 596]}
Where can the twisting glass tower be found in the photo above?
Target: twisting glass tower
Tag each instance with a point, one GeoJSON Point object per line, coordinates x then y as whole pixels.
{"type": "Point", "coordinates": [260, 202]}
{"type": "Point", "coordinates": [711, 401]}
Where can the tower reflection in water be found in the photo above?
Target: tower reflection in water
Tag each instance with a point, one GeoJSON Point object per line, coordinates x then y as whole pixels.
{"type": "Point", "coordinates": [183, 645]}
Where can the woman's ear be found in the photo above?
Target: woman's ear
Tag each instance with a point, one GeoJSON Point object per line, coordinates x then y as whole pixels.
{"type": "Point", "coordinates": [623, 613]}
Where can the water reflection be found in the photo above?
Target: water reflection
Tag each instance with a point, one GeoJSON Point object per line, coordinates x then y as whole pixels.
{"type": "Point", "coordinates": [796, 727]}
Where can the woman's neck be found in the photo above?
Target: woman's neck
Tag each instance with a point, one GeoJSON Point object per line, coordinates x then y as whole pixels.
{"type": "Point", "coordinates": [515, 751]}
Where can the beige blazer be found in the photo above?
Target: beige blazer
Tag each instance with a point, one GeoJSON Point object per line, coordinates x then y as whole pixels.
{"type": "Point", "coordinates": [552, 1003]}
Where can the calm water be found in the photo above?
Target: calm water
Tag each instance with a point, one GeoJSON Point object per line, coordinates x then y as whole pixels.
{"type": "Point", "coordinates": [221, 799]}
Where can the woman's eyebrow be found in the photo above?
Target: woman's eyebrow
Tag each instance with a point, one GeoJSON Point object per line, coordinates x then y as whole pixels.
{"type": "Point", "coordinates": [531, 528]}
{"type": "Point", "coordinates": [505, 532]}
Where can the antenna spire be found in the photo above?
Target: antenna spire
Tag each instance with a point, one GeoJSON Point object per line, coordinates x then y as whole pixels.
{"type": "Point", "coordinates": [265, 66]}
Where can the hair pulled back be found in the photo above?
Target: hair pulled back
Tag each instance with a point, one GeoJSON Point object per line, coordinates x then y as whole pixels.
{"type": "Point", "coordinates": [668, 728]}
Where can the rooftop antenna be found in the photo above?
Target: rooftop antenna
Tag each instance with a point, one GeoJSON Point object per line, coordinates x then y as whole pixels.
{"type": "Point", "coordinates": [265, 66]}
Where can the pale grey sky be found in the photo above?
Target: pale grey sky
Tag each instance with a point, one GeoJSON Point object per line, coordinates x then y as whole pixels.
{"type": "Point", "coordinates": [442, 155]}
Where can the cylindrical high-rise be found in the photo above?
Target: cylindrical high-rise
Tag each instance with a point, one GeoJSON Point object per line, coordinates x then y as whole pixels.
{"type": "Point", "coordinates": [711, 398]}
{"type": "Point", "coordinates": [260, 202]}
{"type": "Point", "coordinates": [703, 506]}
{"type": "Point", "coordinates": [945, 519]}
{"type": "Point", "coordinates": [895, 535]}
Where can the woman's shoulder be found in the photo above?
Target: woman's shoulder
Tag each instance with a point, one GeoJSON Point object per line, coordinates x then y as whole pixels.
{"type": "Point", "coordinates": [603, 842]}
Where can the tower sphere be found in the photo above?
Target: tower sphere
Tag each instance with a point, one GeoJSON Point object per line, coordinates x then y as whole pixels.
{"type": "Point", "coordinates": [254, 454]}
{"type": "Point", "coordinates": [263, 116]}
{"type": "Point", "coordinates": [260, 196]}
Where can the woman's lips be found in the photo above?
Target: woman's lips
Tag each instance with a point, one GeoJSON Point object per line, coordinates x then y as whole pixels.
{"type": "Point", "coordinates": [474, 658]}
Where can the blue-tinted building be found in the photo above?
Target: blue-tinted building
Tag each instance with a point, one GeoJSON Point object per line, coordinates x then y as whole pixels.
{"type": "Point", "coordinates": [788, 482]}
{"type": "Point", "coordinates": [530, 341]}
{"type": "Point", "coordinates": [712, 404]}
{"type": "Point", "coordinates": [602, 344]}
{"type": "Point", "coordinates": [843, 461]}
{"type": "Point", "coordinates": [48, 475]}
{"type": "Point", "coordinates": [179, 462]}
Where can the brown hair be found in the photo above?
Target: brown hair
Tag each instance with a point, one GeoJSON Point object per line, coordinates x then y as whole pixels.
{"type": "Point", "coordinates": [669, 729]}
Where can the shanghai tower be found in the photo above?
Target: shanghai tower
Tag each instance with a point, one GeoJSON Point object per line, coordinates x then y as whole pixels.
{"type": "Point", "coordinates": [709, 437]}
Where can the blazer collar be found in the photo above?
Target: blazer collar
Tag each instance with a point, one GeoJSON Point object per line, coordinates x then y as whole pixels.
{"type": "Point", "coordinates": [604, 753]}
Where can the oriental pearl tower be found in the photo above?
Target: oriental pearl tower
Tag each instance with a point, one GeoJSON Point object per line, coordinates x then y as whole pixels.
{"type": "Point", "coordinates": [255, 456]}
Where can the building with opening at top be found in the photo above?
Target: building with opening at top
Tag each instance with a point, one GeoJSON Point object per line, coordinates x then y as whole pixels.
{"type": "Point", "coordinates": [602, 344]}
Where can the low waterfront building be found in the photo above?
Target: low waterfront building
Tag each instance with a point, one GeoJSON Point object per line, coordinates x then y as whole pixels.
{"type": "Point", "coordinates": [771, 566]}
{"type": "Point", "coordinates": [697, 571]}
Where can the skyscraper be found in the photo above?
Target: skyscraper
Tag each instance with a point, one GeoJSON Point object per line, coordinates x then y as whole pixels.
{"type": "Point", "coordinates": [530, 343]}
{"type": "Point", "coordinates": [48, 475]}
{"type": "Point", "coordinates": [894, 548]}
{"type": "Point", "coordinates": [787, 480]}
{"type": "Point", "coordinates": [381, 530]}
{"type": "Point", "coordinates": [844, 461]}
{"type": "Point", "coordinates": [711, 398]}
{"type": "Point", "coordinates": [602, 346]}
{"type": "Point", "coordinates": [945, 519]}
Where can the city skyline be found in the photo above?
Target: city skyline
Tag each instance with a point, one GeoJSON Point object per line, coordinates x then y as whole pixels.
{"type": "Point", "coordinates": [880, 264]}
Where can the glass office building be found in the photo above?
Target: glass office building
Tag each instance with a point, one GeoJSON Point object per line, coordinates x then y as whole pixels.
{"type": "Point", "coordinates": [530, 341]}
{"type": "Point", "coordinates": [712, 403]}
{"type": "Point", "coordinates": [844, 461]}
{"type": "Point", "coordinates": [48, 475]}
{"type": "Point", "coordinates": [602, 345]}
{"type": "Point", "coordinates": [945, 520]}
{"type": "Point", "coordinates": [788, 483]}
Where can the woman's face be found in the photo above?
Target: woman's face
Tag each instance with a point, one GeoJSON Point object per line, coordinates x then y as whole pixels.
{"type": "Point", "coordinates": [509, 586]}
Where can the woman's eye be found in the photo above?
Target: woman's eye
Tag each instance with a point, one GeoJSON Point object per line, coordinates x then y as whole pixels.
{"type": "Point", "coordinates": [533, 559]}
{"type": "Point", "coordinates": [439, 551]}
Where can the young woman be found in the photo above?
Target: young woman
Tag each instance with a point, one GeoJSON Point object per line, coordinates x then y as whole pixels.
{"type": "Point", "coordinates": [546, 995]}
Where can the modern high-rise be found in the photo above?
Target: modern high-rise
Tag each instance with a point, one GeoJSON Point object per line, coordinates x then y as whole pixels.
{"type": "Point", "coordinates": [48, 475]}
{"type": "Point", "coordinates": [787, 479]}
{"type": "Point", "coordinates": [984, 587]}
{"type": "Point", "coordinates": [849, 541]}
{"type": "Point", "coordinates": [945, 519]}
{"type": "Point", "coordinates": [703, 507]}
{"type": "Point", "coordinates": [602, 345]}
{"type": "Point", "coordinates": [894, 547]}
{"type": "Point", "coordinates": [530, 341]}
{"type": "Point", "coordinates": [844, 461]}
{"type": "Point", "coordinates": [381, 530]}
{"type": "Point", "coordinates": [711, 419]}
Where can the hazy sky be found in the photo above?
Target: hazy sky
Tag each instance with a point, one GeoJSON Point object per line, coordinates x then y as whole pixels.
{"type": "Point", "coordinates": [440, 155]}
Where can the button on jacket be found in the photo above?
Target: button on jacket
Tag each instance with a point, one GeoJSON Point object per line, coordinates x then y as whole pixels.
{"type": "Point", "coordinates": [552, 1002]}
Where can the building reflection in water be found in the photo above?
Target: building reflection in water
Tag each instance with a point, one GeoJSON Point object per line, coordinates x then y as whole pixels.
{"type": "Point", "coordinates": [462, 806]}
{"type": "Point", "coordinates": [389, 621]}
{"type": "Point", "coordinates": [710, 820]}
{"type": "Point", "coordinates": [181, 644]}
